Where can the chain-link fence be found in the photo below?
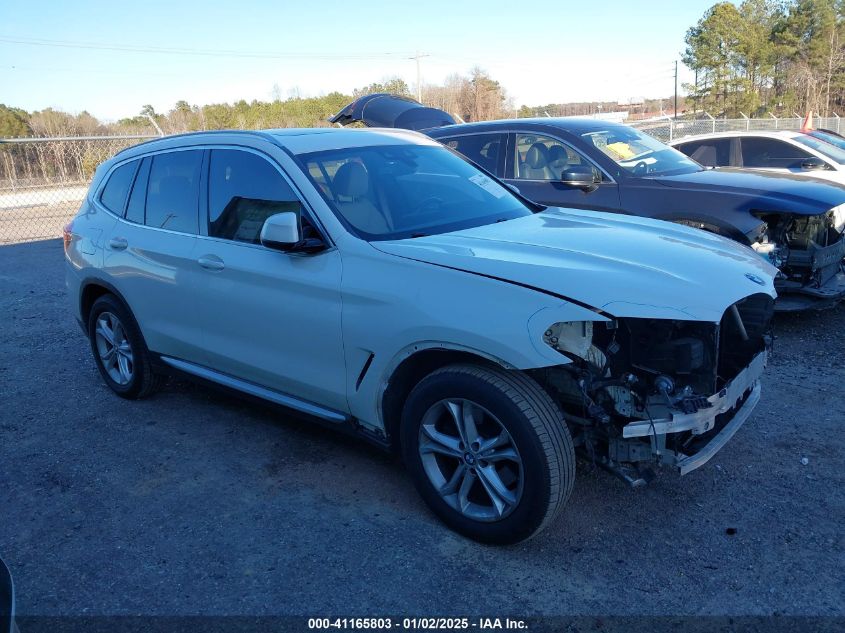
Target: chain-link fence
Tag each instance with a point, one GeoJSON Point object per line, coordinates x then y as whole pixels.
{"type": "Point", "coordinates": [668, 129]}
{"type": "Point", "coordinates": [43, 181]}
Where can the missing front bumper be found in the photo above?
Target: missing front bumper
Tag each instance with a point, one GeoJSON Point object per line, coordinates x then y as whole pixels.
{"type": "Point", "coordinates": [737, 400]}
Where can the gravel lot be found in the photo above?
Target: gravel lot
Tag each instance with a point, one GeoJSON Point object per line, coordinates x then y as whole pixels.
{"type": "Point", "coordinates": [194, 502]}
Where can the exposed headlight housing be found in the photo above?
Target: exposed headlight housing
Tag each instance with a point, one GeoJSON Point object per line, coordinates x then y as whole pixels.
{"type": "Point", "coordinates": [575, 340]}
{"type": "Point", "coordinates": [772, 252]}
{"type": "Point", "coordinates": [839, 217]}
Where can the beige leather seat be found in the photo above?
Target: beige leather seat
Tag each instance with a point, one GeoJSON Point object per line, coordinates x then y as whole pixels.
{"type": "Point", "coordinates": [351, 186]}
{"type": "Point", "coordinates": [558, 160]}
{"type": "Point", "coordinates": [536, 164]}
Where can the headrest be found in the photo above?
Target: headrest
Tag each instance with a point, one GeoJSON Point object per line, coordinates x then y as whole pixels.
{"type": "Point", "coordinates": [537, 156]}
{"type": "Point", "coordinates": [558, 153]}
{"type": "Point", "coordinates": [351, 180]}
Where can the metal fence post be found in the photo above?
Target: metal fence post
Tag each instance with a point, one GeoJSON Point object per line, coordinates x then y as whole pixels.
{"type": "Point", "coordinates": [775, 118]}
{"type": "Point", "coordinates": [837, 122]}
{"type": "Point", "coordinates": [747, 120]}
{"type": "Point", "coordinates": [712, 120]}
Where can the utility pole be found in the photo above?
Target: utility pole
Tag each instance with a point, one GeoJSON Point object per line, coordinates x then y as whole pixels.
{"type": "Point", "coordinates": [417, 58]}
{"type": "Point", "coordinates": [676, 88]}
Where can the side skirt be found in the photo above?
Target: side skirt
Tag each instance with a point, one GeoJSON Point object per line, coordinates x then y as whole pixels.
{"type": "Point", "coordinates": [313, 412]}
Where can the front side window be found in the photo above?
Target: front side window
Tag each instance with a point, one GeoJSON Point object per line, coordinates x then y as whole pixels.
{"type": "Point", "coordinates": [710, 152]}
{"type": "Point", "coordinates": [484, 150]}
{"type": "Point", "coordinates": [540, 157]}
{"type": "Point", "coordinates": [638, 153]}
{"type": "Point", "coordinates": [173, 191]}
{"type": "Point", "coordinates": [117, 188]}
{"type": "Point", "coordinates": [398, 191]}
{"type": "Point", "coordinates": [770, 153]}
{"type": "Point", "coordinates": [244, 189]}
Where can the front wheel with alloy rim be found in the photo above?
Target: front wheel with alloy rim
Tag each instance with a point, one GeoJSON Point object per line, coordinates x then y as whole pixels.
{"type": "Point", "coordinates": [489, 451]}
{"type": "Point", "coordinates": [119, 350]}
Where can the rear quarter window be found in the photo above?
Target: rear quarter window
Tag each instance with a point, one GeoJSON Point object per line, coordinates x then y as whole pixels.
{"type": "Point", "coordinates": [114, 194]}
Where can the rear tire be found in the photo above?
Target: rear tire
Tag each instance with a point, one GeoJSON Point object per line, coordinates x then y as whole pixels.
{"type": "Point", "coordinates": [120, 353]}
{"type": "Point", "coordinates": [489, 452]}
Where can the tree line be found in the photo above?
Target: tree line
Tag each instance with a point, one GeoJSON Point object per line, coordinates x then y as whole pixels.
{"type": "Point", "coordinates": [472, 97]}
{"type": "Point", "coordinates": [768, 56]}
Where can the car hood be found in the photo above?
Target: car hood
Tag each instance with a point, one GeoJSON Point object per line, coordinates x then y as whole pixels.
{"type": "Point", "coordinates": [776, 191]}
{"type": "Point", "coordinates": [386, 110]}
{"type": "Point", "coordinates": [620, 265]}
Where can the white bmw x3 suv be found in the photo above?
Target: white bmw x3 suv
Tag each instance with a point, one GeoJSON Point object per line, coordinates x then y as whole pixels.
{"type": "Point", "coordinates": [383, 284]}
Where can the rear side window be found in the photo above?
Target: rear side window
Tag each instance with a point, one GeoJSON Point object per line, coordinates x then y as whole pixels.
{"type": "Point", "coordinates": [482, 149]}
{"type": "Point", "coordinates": [710, 153]}
{"type": "Point", "coordinates": [244, 190]}
{"type": "Point", "coordinates": [768, 152]}
{"type": "Point", "coordinates": [117, 188]}
{"type": "Point", "coordinates": [173, 191]}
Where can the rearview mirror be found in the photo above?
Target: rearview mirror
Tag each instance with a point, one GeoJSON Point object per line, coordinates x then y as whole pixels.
{"type": "Point", "coordinates": [579, 177]}
{"type": "Point", "coordinates": [813, 163]}
{"type": "Point", "coordinates": [281, 231]}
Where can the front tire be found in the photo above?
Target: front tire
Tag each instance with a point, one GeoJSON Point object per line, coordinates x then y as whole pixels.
{"type": "Point", "coordinates": [489, 452]}
{"type": "Point", "coordinates": [119, 350]}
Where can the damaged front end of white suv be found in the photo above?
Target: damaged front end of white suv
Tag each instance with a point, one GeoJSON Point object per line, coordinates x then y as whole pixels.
{"type": "Point", "coordinates": [644, 392]}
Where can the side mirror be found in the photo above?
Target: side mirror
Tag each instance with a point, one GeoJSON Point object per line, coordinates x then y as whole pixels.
{"type": "Point", "coordinates": [281, 231]}
{"type": "Point", "coordinates": [579, 177]}
{"type": "Point", "coordinates": [813, 163]}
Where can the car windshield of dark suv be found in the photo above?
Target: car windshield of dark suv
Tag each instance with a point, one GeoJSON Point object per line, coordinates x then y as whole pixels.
{"type": "Point", "coordinates": [386, 192]}
{"type": "Point", "coordinates": [641, 154]}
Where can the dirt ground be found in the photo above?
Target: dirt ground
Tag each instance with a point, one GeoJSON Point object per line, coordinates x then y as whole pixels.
{"type": "Point", "coordinates": [194, 502]}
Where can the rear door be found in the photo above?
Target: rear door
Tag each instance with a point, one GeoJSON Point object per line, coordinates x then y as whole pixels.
{"type": "Point", "coordinates": [712, 152]}
{"type": "Point", "coordinates": [486, 150]}
{"type": "Point", "coordinates": [149, 252]}
{"type": "Point", "coordinates": [268, 317]}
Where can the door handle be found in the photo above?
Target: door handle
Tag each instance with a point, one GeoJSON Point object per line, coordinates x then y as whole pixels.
{"type": "Point", "coordinates": [118, 243]}
{"type": "Point", "coordinates": [211, 262]}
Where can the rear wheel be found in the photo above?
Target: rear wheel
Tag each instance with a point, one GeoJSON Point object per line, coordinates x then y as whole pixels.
{"type": "Point", "coordinates": [119, 350]}
{"type": "Point", "coordinates": [489, 451]}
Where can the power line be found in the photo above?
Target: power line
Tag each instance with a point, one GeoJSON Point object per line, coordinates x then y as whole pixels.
{"type": "Point", "coordinates": [193, 51]}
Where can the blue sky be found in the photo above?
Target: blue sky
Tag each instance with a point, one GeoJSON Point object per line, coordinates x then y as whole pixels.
{"type": "Point", "coordinates": [542, 52]}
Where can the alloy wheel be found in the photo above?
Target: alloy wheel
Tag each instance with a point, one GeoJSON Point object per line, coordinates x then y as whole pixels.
{"type": "Point", "coordinates": [470, 459]}
{"type": "Point", "coordinates": [114, 348]}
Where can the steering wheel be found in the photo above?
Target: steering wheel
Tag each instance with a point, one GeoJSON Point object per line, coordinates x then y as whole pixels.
{"type": "Point", "coordinates": [640, 169]}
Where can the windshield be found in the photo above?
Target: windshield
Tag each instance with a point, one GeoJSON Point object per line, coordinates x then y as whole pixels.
{"type": "Point", "coordinates": [387, 192]}
{"type": "Point", "coordinates": [830, 145]}
{"type": "Point", "coordinates": [641, 154]}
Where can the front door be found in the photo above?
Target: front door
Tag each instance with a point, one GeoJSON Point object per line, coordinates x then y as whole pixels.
{"type": "Point", "coordinates": [268, 317]}
{"type": "Point", "coordinates": [535, 168]}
